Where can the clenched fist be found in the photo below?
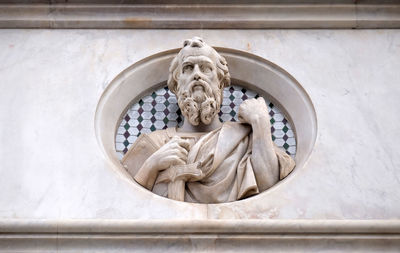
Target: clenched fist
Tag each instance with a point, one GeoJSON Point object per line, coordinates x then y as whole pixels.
{"type": "Point", "coordinates": [174, 152]}
{"type": "Point", "coordinates": [253, 110]}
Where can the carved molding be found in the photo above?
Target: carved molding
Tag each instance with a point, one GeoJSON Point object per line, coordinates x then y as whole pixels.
{"type": "Point", "coordinates": [198, 235]}
{"type": "Point", "coordinates": [301, 14]}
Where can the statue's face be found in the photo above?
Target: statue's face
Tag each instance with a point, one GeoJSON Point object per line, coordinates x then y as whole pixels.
{"type": "Point", "coordinates": [199, 95]}
{"type": "Point", "coordinates": [198, 75]}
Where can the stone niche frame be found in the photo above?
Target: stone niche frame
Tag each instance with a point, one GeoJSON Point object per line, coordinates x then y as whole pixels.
{"type": "Point", "coordinates": [246, 69]}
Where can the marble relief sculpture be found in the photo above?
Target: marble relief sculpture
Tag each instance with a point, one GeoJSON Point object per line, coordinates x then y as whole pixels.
{"type": "Point", "coordinates": [207, 161]}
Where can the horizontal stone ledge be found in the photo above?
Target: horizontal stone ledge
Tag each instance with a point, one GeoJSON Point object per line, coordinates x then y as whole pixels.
{"type": "Point", "coordinates": [216, 227]}
{"type": "Point", "coordinates": [202, 2]}
{"type": "Point", "coordinates": [216, 16]}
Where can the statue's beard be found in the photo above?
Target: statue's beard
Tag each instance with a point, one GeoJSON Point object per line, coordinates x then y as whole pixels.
{"type": "Point", "coordinates": [200, 105]}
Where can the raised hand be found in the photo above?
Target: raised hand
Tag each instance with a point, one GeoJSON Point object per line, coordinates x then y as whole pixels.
{"type": "Point", "coordinates": [253, 110]}
{"type": "Point", "coordinates": [263, 157]}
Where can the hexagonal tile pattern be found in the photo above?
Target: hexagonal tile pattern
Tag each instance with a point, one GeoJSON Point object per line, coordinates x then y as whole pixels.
{"type": "Point", "coordinates": [159, 110]}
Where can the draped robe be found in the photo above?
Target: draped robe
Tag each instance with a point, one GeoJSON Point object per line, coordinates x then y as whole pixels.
{"type": "Point", "coordinates": [225, 158]}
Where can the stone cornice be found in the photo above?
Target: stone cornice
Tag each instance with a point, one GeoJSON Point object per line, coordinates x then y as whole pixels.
{"type": "Point", "coordinates": [206, 16]}
{"type": "Point", "coordinates": [198, 235]}
{"type": "Point", "coordinates": [210, 226]}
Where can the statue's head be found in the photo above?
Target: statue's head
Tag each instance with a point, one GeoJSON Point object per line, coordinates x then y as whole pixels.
{"type": "Point", "coordinates": [197, 76]}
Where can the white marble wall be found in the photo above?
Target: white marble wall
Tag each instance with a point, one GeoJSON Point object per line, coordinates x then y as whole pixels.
{"type": "Point", "coordinates": [51, 165]}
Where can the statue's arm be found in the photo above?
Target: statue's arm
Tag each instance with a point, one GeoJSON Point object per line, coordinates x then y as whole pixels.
{"type": "Point", "coordinates": [174, 152]}
{"type": "Point", "coordinates": [137, 155]}
{"type": "Point", "coordinates": [263, 158]}
{"type": "Point", "coordinates": [147, 174]}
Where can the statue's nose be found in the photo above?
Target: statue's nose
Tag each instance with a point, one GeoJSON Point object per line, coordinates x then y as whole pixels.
{"type": "Point", "coordinates": [196, 77]}
{"type": "Point", "coordinates": [196, 73]}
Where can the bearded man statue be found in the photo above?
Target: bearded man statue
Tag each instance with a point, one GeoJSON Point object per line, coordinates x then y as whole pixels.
{"type": "Point", "coordinates": [206, 161]}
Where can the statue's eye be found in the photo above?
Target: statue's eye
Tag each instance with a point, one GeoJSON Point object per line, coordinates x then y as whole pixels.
{"type": "Point", "coordinates": [206, 69]}
{"type": "Point", "coordinates": [187, 68]}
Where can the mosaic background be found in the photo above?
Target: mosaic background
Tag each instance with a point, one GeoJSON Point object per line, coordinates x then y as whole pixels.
{"type": "Point", "coordinates": [159, 110]}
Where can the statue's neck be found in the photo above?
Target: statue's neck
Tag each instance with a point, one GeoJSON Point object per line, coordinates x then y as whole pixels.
{"type": "Point", "coordinates": [187, 127]}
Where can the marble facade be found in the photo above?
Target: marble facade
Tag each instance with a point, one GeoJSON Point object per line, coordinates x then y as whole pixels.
{"type": "Point", "coordinates": [56, 179]}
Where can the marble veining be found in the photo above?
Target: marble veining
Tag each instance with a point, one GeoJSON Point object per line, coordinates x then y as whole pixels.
{"type": "Point", "coordinates": [52, 167]}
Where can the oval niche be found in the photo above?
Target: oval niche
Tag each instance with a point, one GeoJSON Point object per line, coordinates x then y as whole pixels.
{"type": "Point", "coordinates": [125, 100]}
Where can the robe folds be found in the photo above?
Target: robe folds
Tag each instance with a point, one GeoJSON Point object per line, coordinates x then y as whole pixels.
{"type": "Point", "coordinates": [225, 158]}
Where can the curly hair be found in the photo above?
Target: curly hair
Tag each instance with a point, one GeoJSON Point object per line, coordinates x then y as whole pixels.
{"type": "Point", "coordinates": [221, 64]}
